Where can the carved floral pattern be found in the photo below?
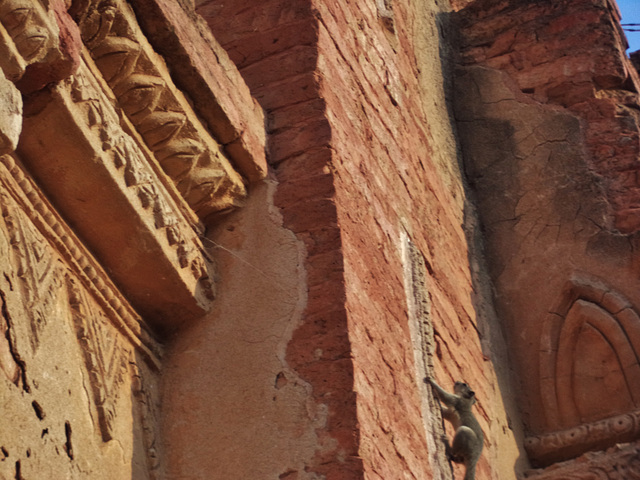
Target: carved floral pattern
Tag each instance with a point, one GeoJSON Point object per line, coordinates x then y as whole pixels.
{"type": "Point", "coordinates": [94, 279]}
{"type": "Point", "coordinates": [37, 269]}
{"type": "Point", "coordinates": [107, 335]}
{"type": "Point", "coordinates": [129, 158]}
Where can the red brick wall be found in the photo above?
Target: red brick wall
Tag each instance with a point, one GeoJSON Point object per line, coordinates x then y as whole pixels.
{"type": "Point", "coordinates": [361, 144]}
{"type": "Point", "coordinates": [388, 179]}
{"type": "Point", "coordinates": [275, 47]}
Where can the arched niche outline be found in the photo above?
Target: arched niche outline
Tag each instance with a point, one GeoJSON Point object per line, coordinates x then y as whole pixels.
{"type": "Point", "coordinates": [586, 303]}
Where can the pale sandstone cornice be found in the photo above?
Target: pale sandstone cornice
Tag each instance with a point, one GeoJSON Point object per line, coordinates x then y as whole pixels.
{"type": "Point", "coordinates": [119, 149]}
{"type": "Point", "coordinates": [40, 45]}
{"type": "Point", "coordinates": [99, 173]}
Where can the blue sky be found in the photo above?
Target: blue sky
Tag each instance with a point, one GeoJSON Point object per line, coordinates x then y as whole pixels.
{"type": "Point", "coordinates": [630, 10]}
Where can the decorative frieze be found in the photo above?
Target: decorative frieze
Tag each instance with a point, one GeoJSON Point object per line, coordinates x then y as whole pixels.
{"type": "Point", "coordinates": [106, 357]}
{"type": "Point", "coordinates": [203, 69]}
{"type": "Point", "coordinates": [552, 447]}
{"type": "Point", "coordinates": [134, 167]}
{"type": "Point", "coordinates": [88, 157]}
{"type": "Point", "coordinates": [621, 462]}
{"type": "Point", "coordinates": [47, 223]}
{"type": "Point", "coordinates": [159, 111]}
{"type": "Point", "coordinates": [72, 345]}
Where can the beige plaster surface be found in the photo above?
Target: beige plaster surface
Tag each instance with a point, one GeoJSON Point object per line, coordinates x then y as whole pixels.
{"type": "Point", "coordinates": [232, 407]}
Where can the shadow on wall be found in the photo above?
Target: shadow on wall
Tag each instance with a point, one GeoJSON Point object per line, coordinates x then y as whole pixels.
{"type": "Point", "coordinates": [507, 445]}
{"type": "Point", "coordinates": [545, 217]}
{"type": "Point", "coordinates": [492, 338]}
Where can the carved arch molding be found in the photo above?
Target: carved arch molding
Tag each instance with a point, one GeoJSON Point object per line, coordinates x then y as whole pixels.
{"type": "Point", "coordinates": [589, 351]}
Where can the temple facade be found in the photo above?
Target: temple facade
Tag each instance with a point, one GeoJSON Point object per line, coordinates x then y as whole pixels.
{"type": "Point", "coordinates": [236, 236]}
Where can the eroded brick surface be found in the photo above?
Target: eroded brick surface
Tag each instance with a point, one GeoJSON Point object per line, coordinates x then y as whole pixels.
{"type": "Point", "coordinates": [573, 55]}
{"type": "Point", "coordinates": [546, 104]}
{"type": "Point", "coordinates": [275, 47]}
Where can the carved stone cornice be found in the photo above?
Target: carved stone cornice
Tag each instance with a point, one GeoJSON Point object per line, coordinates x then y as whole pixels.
{"type": "Point", "coordinates": [158, 110]}
{"type": "Point", "coordinates": [99, 173]}
{"type": "Point", "coordinates": [202, 68]}
{"type": "Point", "coordinates": [552, 447]}
{"type": "Point", "coordinates": [621, 462]}
{"type": "Point", "coordinates": [84, 266]}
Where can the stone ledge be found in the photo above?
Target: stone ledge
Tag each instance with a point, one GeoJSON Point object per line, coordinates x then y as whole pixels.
{"type": "Point", "coordinates": [619, 462]}
{"type": "Point", "coordinates": [159, 111]}
{"type": "Point", "coordinates": [208, 75]}
{"type": "Point", "coordinates": [90, 161]}
{"type": "Point", "coordinates": [566, 444]}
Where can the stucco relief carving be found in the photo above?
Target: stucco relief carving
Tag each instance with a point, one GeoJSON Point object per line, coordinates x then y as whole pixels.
{"type": "Point", "coordinates": [589, 371]}
{"type": "Point", "coordinates": [27, 33]}
{"type": "Point", "coordinates": [105, 357]}
{"type": "Point", "coordinates": [158, 110]}
{"type": "Point", "coordinates": [71, 344]}
{"type": "Point", "coordinates": [46, 223]}
{"type": "Point", "coordinates": [129, 158]}
{"type": "Point", "coordinates": [146, 401]}
{"type": "Point", "coordinates": [106, 182]}
{"type": "Point", "coordinates": [545, 449]}
{"type": "Point", "coordinates": [424, 346]}
{"type": "Point", "coordinates": [590, 343]}
{"type": "Point", "coordinates": [37, 269]}
{"type": "Point", "coordinates": [39, 43]}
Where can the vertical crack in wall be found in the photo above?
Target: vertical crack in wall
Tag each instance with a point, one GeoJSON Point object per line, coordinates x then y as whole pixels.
{"type": "Point", "coordinates": [423, 341]}
{"type": "Point", "coordinates": [68, 446]}
{"type": "Point", "coordinates": [18, 471]}
{"type": "Point", "coordinates": [16, 370]}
